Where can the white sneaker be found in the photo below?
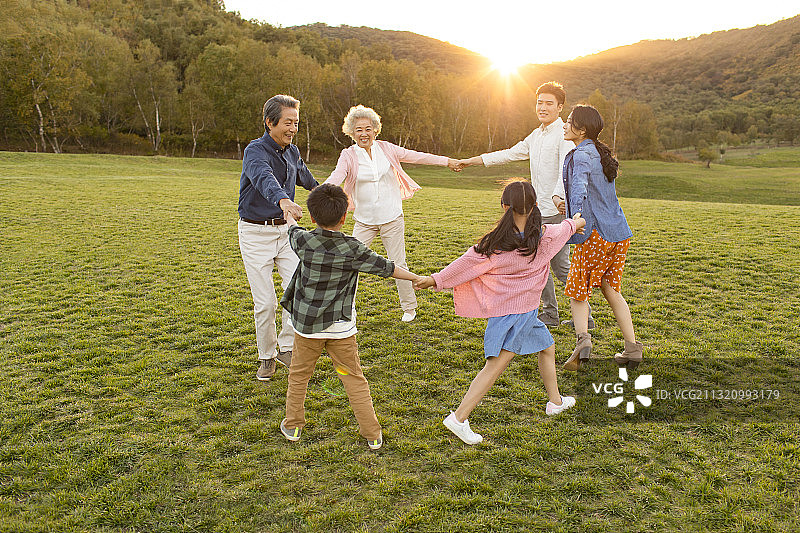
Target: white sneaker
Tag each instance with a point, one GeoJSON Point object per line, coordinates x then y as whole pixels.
{"type": "Point", "coordinates": [408, 316]}
{"type": "Point", "coordinates": [462, 429]}
{"type": "Point", "coordinates": [566, 403]}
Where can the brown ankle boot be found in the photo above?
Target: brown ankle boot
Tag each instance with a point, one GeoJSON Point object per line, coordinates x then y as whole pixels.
{"type": "Point", "coordinates": [583, 349]}
{"type": "Point", "coordinates": [631, 356]}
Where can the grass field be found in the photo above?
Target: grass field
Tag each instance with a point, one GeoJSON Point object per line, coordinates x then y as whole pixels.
{"type": "Point", "coordinates": [127, 350]}
{"type": "Point", "coordinates": [753, 155]}
{"type": "Point", "coordinates": [788, 156]}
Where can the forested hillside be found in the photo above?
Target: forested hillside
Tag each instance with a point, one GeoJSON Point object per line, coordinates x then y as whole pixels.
{"type": "Point", "coordinates": [408, 45]}
{"type": "Point", "coordinates": [728, 81]}
{"type": "Point", "coordinates": [182, 77]}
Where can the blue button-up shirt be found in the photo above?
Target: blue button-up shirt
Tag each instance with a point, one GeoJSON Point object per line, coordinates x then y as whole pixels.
{"type": "Point", "coordinates": [269, 174]}
{"type": "Point", "coordinates": [592, 195]}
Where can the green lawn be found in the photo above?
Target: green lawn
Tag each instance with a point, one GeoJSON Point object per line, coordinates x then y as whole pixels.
{"type": "Point", "coordinates": [656, 180]}
{"type": "Point", "coordinates": [128, 358]}
{"type": "Point", "coordinates": [788, 156]}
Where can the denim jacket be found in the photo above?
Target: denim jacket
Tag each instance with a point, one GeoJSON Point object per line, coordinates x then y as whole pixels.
{"type": "Point", "coordinates": [592, 195]}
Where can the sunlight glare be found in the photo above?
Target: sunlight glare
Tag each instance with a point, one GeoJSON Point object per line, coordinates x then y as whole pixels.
{"type": "Point", "coordinates": [506, 66]}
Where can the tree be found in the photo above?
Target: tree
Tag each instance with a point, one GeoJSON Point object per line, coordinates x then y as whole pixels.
{"type": "Point", "coordinates": [154, 86]}
{"type": "Point", "coordinates": [196, 112]}
{"type": "Point", "coordinates": [237, 79]}
{"type": "Point", "coordinates": [395, 90]}
{"type": "Point", "coordinates": [610, 112]}
{"type": "Point", "coordinates": [106, 103]}
{"type": "Point", "coordinates": [304, 82]}
{"type": "Point", "coordinates": [338, 94]}
{"type": "Point", "coordinates": [752, 133]}
{"type": "Point", "coordinates": [42, 73]}
{"type": "Point", "coordinates": [706, 153]}
{"type": "Point", "coordinates": [637, 131]}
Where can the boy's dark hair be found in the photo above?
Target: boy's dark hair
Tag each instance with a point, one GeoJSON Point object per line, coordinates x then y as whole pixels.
{"type": "Point", "coordinates": [554, 88]}
{"type": "Point", "coordinates": [520, 197]}
{"type": "Point", "coordinates": [327, 204]}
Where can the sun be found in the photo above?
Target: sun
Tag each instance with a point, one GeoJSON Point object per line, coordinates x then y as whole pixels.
{"type": "Point", "coordinates": [505, 65]}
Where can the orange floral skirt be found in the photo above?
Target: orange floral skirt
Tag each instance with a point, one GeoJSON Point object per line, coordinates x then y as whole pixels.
{"type": "Point", "coordinates": [593, 261]}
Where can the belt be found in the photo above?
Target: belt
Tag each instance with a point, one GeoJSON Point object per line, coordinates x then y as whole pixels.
{"type": "Point", "coordinates": [268, 222]}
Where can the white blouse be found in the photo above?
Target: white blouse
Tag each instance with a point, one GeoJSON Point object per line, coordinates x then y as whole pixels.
{"type": "Point", "coordinates": [377, 193]}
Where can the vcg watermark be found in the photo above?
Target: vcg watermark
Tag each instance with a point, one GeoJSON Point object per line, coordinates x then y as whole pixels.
{"type": "Point", "coordinates": [617, 390]}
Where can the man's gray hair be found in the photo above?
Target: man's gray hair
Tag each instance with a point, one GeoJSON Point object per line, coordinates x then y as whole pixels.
{"type": "Point", "coordinates": [357, 112]}
{"type": "Point", "coordinates": [274, 107]}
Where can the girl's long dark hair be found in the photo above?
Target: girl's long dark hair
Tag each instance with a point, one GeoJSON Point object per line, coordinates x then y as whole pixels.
{"type": "Point", "coordinates": [586, 117]}
{"type": "Point", "coordinates": [521, 199]}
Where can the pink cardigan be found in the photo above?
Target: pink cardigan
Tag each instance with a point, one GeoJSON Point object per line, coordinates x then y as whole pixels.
{"type": "Point", "coordinates": [347, 168]}
{"type": "Point", "coordinates": [504, 283]}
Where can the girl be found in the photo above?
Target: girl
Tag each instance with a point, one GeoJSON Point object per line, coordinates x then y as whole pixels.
{"type": "Point", "coordinates": [599, 257]}
{"type": "Point", "coordinates": [501, 278]}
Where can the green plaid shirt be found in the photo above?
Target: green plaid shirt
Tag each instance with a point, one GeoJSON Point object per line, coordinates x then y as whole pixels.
{"type": "Point", "coordinates": [323, 287]}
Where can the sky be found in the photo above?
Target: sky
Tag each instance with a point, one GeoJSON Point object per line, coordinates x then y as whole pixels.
{"type": "Point", "coordinates": [513, 33]}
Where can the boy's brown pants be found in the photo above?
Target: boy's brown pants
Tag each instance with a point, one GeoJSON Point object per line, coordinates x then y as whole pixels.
{"type": "Point", "coordinates": [344, 353]}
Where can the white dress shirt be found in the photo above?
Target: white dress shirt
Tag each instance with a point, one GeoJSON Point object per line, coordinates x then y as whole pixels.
{"type": "Point", "coordinates": [546, 149]}
{"type": "Point", "coordinates": [377, 193]}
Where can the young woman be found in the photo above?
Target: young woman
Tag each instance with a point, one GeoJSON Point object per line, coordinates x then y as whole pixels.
{"type": "Point", "coordinates": [599, 257]}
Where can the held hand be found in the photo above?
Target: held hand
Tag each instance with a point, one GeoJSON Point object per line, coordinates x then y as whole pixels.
{"type": "Point", "coordinates": [580, 223]}
{"type": "Point", "coordinates": [560, 204]}
{"type": "Point", "coordinates": [477, 160]}
{"type": "Point", "coordinates": [454, 165]}
{"type": "Point", "coordinates": [424, 282]}
{"type": "Point", "coordinates": [290, 209]}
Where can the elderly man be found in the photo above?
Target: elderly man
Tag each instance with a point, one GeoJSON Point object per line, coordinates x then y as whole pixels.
{"type": "Point", "coordinates": [546, 149]}
{"type": "Point", "coordinates": [271, 167]}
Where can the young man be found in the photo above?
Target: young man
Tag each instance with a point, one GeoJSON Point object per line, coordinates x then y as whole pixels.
{"type": "Point", "coordinates": [321, 300]}
{"type": "Point", "coordinates": [271, 167]}
{"type": "Point", "coordinates": [546, 149]}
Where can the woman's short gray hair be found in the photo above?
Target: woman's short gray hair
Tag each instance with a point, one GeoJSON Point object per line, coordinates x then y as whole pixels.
{"type": "Point", "coordinates": [357, 112]}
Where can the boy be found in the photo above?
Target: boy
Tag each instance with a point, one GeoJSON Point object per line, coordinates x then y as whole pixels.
{"type": "Point", "coordinates": [321, 300]}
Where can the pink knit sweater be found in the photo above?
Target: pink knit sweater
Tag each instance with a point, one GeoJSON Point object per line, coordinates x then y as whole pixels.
{"type": "Point", "coordinates": [504, 283]}
{"type": "Point", "coordinates": [347, 168]}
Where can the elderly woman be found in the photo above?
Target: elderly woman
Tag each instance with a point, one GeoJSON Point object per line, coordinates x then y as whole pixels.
{"type": "Point", "coordinates": [370, 173]}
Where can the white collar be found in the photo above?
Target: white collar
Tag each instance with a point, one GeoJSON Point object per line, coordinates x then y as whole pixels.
{"type": "Point", "coordinates": [546, 129]}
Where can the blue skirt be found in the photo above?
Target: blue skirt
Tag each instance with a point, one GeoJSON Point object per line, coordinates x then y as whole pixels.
{"type": "Point", "coordinates": [521, 334]}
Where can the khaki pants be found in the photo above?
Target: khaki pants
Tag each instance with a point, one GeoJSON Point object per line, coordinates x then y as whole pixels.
{"type": "Point", "coordinates": [393, 237]}
{"type": "Point", "coordinates": [559, 266]}
{"type": "Point", "coordinates": [264, 247]}
{"type": "Point", "coordinates": [344, 353]}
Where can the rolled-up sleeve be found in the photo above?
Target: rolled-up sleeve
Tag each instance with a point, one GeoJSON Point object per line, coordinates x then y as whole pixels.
{"type": "Point", "coordinates": [564, 148]}
{"type": "Point", "coordinates": [579, 181]}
